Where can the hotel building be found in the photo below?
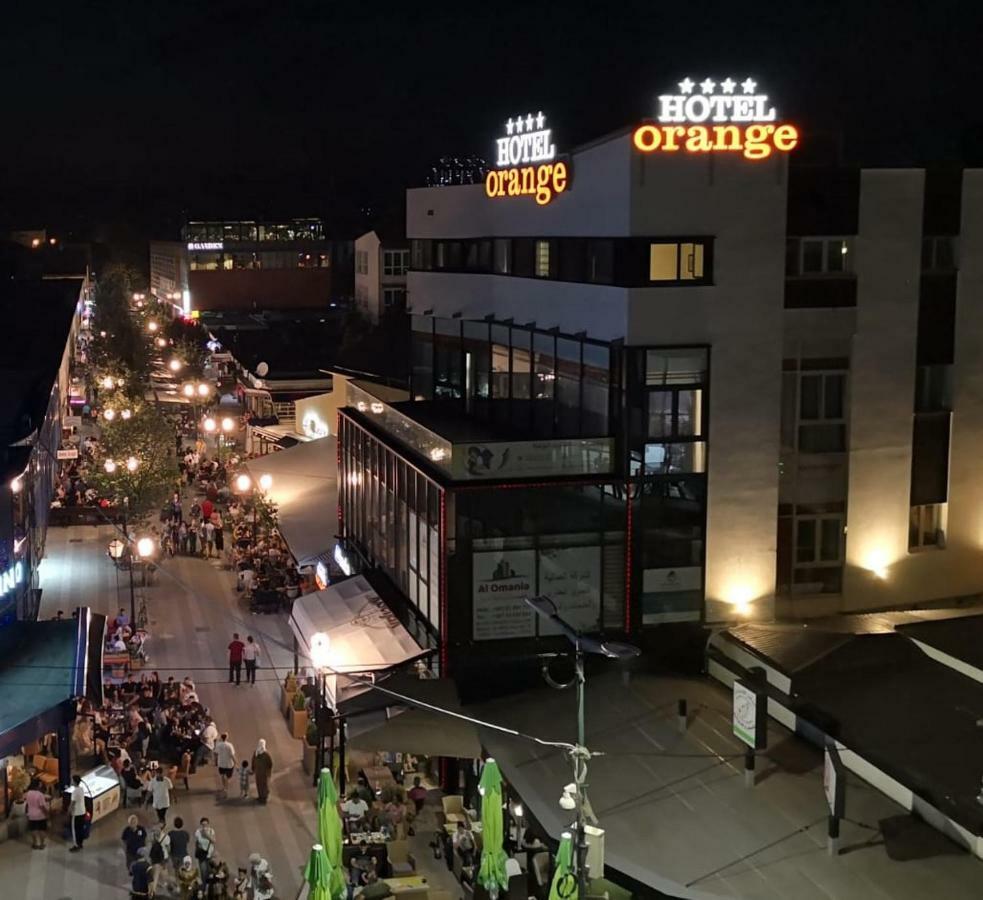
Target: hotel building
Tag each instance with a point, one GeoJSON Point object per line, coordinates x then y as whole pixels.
{"type": "Point", "coordinates": [677, 387]}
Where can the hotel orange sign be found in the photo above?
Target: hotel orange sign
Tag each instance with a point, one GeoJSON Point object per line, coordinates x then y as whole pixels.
{"type": "Point", "coordinates": [527, 164]}
{"type": "Point", "coordinates": [716, 121]}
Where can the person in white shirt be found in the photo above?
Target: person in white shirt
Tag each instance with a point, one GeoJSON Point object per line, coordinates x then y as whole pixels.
{"type": "Point", "coordinates": [355, 810]}
{"type": "Point", "coordinates": [76, 810]}
{"type": "Point", "coordinates": [225, 759]}
{"type": "Point", "coordinates": [160, 792]}
{"type": "Point", "coordinates": [250, 653]}
{"type": "Point", "coordinates": [206, 749]}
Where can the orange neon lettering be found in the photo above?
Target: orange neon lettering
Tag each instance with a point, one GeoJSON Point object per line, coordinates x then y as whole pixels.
{"type": "Point", "coordinates": [528, 180]}
{"type": "Point", "coordinates": [559, 177]}
{"type": "Point", "coordinates": [726, 137]}
{"type": "Point", "coordinates": [491, 184]}
{"type": "Point", "coordinates": [647, 138]}
{"type": "Point", "coordinates": [786, 138]}
{"type": "Point", "coordinates": [543, 191]}
{"type": "Point", "coordinates": [756, 144]}
{"type": "Point", "coordinates": [669, 136]}
{"type": "Point", "coordinates": [515, 186]}
{"type": "Point", "coordinates": [698, 139]}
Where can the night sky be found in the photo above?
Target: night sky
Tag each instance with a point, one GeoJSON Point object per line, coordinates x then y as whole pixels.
{"type": "Point", "coordinates": [140, 112]}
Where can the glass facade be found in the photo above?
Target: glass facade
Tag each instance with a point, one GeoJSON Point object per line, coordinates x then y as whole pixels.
{"type": "Point", "coordinates": [540, 382]}
{"type": "Point", "coordinates": [391, 518]}
{"type": "Point", "coordinates": [254, 232]}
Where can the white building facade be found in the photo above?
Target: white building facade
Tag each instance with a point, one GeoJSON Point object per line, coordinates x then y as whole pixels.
{"type": "Point", "coordinates": [381, 264]}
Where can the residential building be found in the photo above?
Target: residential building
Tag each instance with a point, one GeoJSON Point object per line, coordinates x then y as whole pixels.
{"type": "Point", "coordinates": [381, 262]}
{"type": "Point", "coordinates": [248, 265]}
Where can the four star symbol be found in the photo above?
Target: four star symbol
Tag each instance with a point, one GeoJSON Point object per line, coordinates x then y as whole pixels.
{"type": "Point", "coordinates": [509, 126]}
{"type": "Point", "coordinates": [540, 119]}
{"type": "Point", "coordinates": [686, 86]}
{"type": "Point", "coordinates": [707, 86]}
{"type": "Point", "coordinates": [728, 85]}
{"type": "Point", "coordinates": [518, 125]}
{"type": "Point", "coordinates": [529, 122]}
{"type": "Point", "coordinates": [748, 86]}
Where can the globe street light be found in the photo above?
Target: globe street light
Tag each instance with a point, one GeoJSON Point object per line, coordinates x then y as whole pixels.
{"type": "Point", "coordinates": [204, 390]}
{"type": "Point", "coordinates": [125, 414]}
{"type": "Point", "coordinates": [132, 464]}
{"type": "Point", "coordinates": [208, 424]}
{"type": "Point", "coordinates": [107, 382]}
{"type": "Point", "coordinates": [265, 482]}
{"type": "Point", "coordinates": [188, 390]}
{"type": "Point", "coordinates": [109, 466]}
{"type": "Point", "coordinates": [151, 326]}
{"type": "Point", "coordinates": [175, 365]}
{"type": "Point", "coordinates": [109, 414]}
{"type": "Point", "coordinates": [161, 342]}
{"type": "Point", "coordinates": [228, 424]}
{"type": "Point", "coordinates": [243, 483]}
{"type": "Point", "coordinates": [145, 547]}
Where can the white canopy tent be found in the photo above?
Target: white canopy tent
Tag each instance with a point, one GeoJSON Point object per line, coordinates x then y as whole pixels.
{"type": "Point", "coordinates": [305, 490]}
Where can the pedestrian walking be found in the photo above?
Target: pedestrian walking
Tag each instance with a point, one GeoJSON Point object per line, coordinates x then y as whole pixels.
{"type": "Point", "coordinates": [261, 877]}
{"type": "Point", "coordinates": [225, 759]}
{"type": "Point", "coordinates": [217, 885]}
{"type": "Point", "coordinates": [134, 838]}
{"type": "Point", "coordinates": [235, 659]}
{"type": "Point", "coordinates": [160, 846]}
{"type": "Point", "coordinates": [245, 774]}
{"type": "Point", "coordinates": [193, 538]}
{"type": "Point", "coordinates": [219, 532]}
{"type": "Point", "coordinates": [141, 874]}
{"type": "Point", "coordinates": [262, 770]}
{"type": "Point", "coordinates": [204, 848]}
{"type": "Point", "coordinates": [209, 530]}
{"type": "Point", "coordinates": [77, 813]}
{"type": "Point", "coordinates": [183, 537]}
{"type": "Point", "coordinates": [160, 792]}
{"type": "Point", "coordinates": [37, 814]}
{"type": "Point", "coordinates": [178, 840]}
{"type": "Point", "coordinates": [206, 749]}
{"type": "Point", "coordinates": [189, 879]}
{"type": "Point", "coordinates": [250, 654]}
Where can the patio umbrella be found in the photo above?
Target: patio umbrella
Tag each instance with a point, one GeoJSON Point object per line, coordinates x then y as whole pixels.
{"type": "Point", "coordinates": [318, 874]}
{"type": "Point", "coordinates": [491, 874]}
{"type": "Point", "coordinates": [564, 884]}
{"type": "Point", "coordinates": [329, 831]}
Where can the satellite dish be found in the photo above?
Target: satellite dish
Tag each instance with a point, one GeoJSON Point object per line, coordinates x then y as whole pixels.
{"type": "Point", "coordinates": [262, 370]}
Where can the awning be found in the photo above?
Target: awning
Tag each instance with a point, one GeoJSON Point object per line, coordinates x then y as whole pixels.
{"type": "Point", "coordinates": [305, 491]}
{"type": "Point", "coordinates": [44, 667]}
{"type": "Point", "coordinates": [363, 634]}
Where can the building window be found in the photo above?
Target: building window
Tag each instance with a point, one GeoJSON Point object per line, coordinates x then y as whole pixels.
{"type": "Point", "coordinates": [542, 259]}
{"type": "Point", "coordinates": [674, 458]}
{"type": "Point", "coordinates": [683, 365]}
{"type": "Point", "coordinates": [811, 256]}
{"type": "Point", "coordinates": [676, 262]}
{"type": "Point", "coordinates": [393, 298]}
{"type": "Point", "coordinates": [395, 262]}
{"type": "Point", "coordinates": [676, 413]}
{"type": "Point", "coordinates": [938, 253]}
{"type": "Point", "coordinates": [362, 262]}
{"type": "Point", "coordinates": [503, 256]}
{"type": "Point", "coordinates": [822, 412]}
{"type": "Point", "coordinates": [926, 526]}
{"type": "Point", "coordinates": [817, 564]}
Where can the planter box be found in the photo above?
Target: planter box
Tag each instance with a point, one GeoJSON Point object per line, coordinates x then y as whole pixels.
{"type": "Point", "coordinates": [286, 701]}
{"type": "Point", "coordinates": [298, 723]}
{"type": "Point", "coordinates": [310, 758]}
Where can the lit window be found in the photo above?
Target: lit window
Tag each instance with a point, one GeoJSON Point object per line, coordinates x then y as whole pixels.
{"type": "Point", "coordinates": [542, 259]}
{"type": "Point", "coordinates": [926, 526]}
{"type": "Point", "coordinates": [677, 261]}
{"type": "Point", "coordinates": [663, 262]}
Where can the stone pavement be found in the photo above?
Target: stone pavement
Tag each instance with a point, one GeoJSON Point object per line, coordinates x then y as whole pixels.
{"type": "Point", "coordinates": [193, 612]}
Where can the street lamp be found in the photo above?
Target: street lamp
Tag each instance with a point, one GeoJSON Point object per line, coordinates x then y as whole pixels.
{"type": "Point", "coordinates": [575, 794]}
{"type": "Point", "coordinates": [228, 424]}
{"type": "Point", "coordinates": [265, 482]}
{"type": "Point", "coordinates": [132, 464]}
{"type": "Point", "coordinates": [125, 414]}
{"type": "Point", "coordinates": [204, 390]}
{"type": "Point", "coordinates": [161, 342]}
{"type": "Point", "coordinates": [188, 390]}
{"type": "Point", "coordinates": [151, 326]}
{"type": "Point", "coordinates": [107, 382]}
{"type": "Point", "coordinates": [208, 424]}
{"type": "Point", "coordinates": [109, 466]}
{"type": "Point", "coordinates": [243, 483]}
{"type": "Point", "coordinates": [109, 414]}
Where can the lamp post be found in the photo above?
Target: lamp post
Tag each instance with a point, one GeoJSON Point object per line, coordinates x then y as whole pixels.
{"type": "Point", "coordinates": [575, 794]}
{"type": "Point", "coordinates": [143, 548]}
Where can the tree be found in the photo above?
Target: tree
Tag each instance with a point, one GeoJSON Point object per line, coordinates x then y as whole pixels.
{"type": "Point", "coordinates": [124, 345]}
{"type": "Point", "coordinates": [148, 437]}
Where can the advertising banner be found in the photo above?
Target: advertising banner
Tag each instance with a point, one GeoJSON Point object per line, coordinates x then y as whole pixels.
{"type": "Point", "coordinates": [571, 577]}
{"type": "Point", "coordinates": [501, 579]}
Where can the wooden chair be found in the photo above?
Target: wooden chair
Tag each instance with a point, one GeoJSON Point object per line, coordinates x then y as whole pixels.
{"type": "Point", "coordinates": [47, 771]}
{"type": "Point", "coordinates": [454, 808]}
{"type": "Point", "coordinates": [402, 861]}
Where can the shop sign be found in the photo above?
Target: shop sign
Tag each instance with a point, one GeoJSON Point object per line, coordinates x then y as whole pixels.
{"type": "Point", "coordinates": [750, 715]}
{"type": "Point", "coordinates": [834, 781]}
{"type": "Point", "coordinates": [205, 245]}
{"type": "Point", "coordinates": [532, 459]}
{"type": "Point", "coordinates": [70, 453]}
{"type": "Point", "coordinates": [571, 578]}
{"type": "Point", "coordinates": [11, 578]}
{"type": "Point", "coordinates": [501, 580]}
{"type": "Point", "coordinates": [527, 164]}
{"type": "Point", "coordinates": [710, 116]}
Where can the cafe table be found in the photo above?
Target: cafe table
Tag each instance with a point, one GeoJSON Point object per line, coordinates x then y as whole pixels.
{"type": "Point", "coordinates": [406, 883]}
{"type": "Point", "coordinates": [378, 776]}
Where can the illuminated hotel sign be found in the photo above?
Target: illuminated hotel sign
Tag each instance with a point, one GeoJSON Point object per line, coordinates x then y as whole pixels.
{"type": "Point", "coordinates": [527, 164]}
{"type": "Point", "coordinates": [205, 245]}
{"type": "Point", "coordinates": [709, 116]}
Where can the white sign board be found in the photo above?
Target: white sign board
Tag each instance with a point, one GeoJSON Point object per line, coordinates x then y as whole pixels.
{"type": "Point", "coordinates": [205, 245]}
{"type": "Point", "coordinates": [571, 578]}
{"type": "Point", "coordinates": [71, 453]}
{"type": "Point", "coordinates": [829, 781]}
{"type": "Point", "coordinates": [501, 580]}
{"type": "Point", "coordinates": [72, 422]}
{"type": "Point", "coordinates": [745, 714]}
{"type": "Point", "coordinates": [527, 459]}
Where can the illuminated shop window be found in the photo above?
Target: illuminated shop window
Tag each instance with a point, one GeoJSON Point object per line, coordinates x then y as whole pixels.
{"type": "Point", "coordinates": [676, 261]}
{"type": "Point", "coordinates": [542, 259]}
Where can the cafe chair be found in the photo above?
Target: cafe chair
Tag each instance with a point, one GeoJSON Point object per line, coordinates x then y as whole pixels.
{"type": "Point", "coordinates": [47, 771]}
{"type": "Point", "coordinates": [400, 859]}
{"type": "Point", "coordinates": [454, 808]}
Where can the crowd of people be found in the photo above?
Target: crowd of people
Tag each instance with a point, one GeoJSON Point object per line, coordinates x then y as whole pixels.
{"type": "Point", "coordinates": [72, 483]}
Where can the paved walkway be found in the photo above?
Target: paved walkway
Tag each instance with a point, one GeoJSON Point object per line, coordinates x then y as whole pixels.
{"type": "Point", "coordinates": [193, 611]}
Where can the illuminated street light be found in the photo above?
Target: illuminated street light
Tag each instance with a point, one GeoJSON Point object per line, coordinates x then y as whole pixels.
{"type": "Point", "coordinates": [16, 486]}
{"type": "Point", "coordinates": [188, 390]}
{"type": "Point", "coordinates": [109, 414]}
{"type": "Point", "coordinates": [243, 483]}
{"type": "Point", "coordinates": [161, 342]}
{"type": "Point", "coordinates": [109, 466]}
{"type": "Point", "coordinates": [126, 414]}
{"type": "Point", "coordinates": [132, 463]}
{"type": "Point", "coordinates": [107, 382]}
{"type": "Point", "coordinates": [145, 547]}
{"type": "Point", "coordinates": [151, 326]}
{"type": "Point", "coordinates": [265, 481]}
{"type": "Point", "coordinates": [175, 364]}
{"type": "Point", "coordinates": [208, 424]}
{"type": "Point", "coordinates": [204, 390]}
{"type": "Point", "coordinates": [228, 424]}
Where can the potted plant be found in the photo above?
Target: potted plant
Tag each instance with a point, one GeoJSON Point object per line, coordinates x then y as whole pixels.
{"type": "Point", "coordinates": [287, 691]}
{"type": "Point", "coordinates": [298, 716]}
{"type": "Point", "coordinates": [310, 748]}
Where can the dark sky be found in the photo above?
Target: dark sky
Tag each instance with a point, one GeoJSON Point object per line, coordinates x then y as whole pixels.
{"type": "Point", "coordinates": [138, 111]}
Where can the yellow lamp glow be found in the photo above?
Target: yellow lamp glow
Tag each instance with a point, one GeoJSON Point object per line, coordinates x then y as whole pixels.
{"type": "Point", "coordinates": [265, 481]}
{"type": "Point", "coordinates": [132, 464]}
{"type": "Point", "coordinates": [109, 414]}
{"type": "Point", "coordinates": [228, 424]}
{"type": "Point", "coordinates": [175, 365]}
{"type": "Point", "coordinates": [109, 466]}
{"type": "Point", "coordinates": [243, 482]}
{"type": "Point", "coordinates": [151, 326]}
{"type": "Point", "coordinates": [188, 390]}
{"type": "Point", "coordinates": [208, 424]}
{"type": "Point", "coordinates": [203, 390]}
{"type": "Point", "coordinates": [320, 650]}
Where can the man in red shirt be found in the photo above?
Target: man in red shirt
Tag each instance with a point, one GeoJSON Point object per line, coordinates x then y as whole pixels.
{"type": "Point", "coordinates": [235, 659]}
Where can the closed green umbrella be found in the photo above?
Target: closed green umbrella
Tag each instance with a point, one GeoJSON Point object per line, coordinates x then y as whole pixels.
{"type": "Point", "coordinates": [492, 875]}
{"type": "Point", "coordinates": [318, 874]}
{"type": "Point", "coordinates": [329, 832]}
{"type": "Point", "coordinates": [564, 885]}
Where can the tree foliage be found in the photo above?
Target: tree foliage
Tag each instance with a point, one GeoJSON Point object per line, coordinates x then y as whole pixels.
{"type": "Point", "coordinates": [124, 346]}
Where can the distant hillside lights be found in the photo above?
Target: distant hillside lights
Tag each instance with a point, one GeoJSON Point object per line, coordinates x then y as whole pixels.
{"type": "Point", "coordinates": [525, 157]}
{"type": "Point", "coordinates": [726, 114]}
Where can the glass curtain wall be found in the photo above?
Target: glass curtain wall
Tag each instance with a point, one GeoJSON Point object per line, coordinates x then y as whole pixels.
{"type": "Point", "coordinates": [391, 519]}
